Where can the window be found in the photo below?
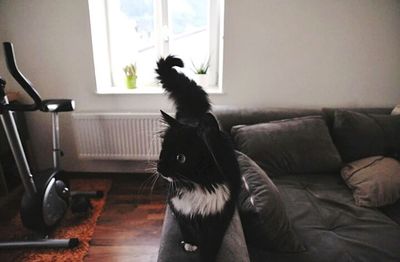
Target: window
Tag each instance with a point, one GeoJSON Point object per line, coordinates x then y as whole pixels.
{"type": "Point", "coordinates": [138, 32]}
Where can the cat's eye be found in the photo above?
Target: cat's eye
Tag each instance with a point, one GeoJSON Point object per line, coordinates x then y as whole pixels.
{"type": "Point", "coordinates": [181, 158]}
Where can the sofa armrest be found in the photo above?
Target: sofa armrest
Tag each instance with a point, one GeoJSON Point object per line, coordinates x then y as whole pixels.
{"type": "Point", "coordinates": [233, 246]}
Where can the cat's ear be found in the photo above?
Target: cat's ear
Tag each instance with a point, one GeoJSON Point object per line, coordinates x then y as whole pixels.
{"type": "Point", "coordinates": [168, 119]}
{"type": "Point", "coordinates": [208, 128]}
{"type": "Point", "coordinates": [210, 133]}
{"type": "Point", "coordinates": [209, 122]}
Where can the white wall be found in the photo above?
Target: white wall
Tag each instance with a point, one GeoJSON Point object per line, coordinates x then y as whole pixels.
{"type": "Point", "coordinates": [277, 53]}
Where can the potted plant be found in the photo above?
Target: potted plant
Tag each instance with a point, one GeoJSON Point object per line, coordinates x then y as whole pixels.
{"type": "Point", "coordinates": [201, 73]}
{"type": "Point", "coordinates": [130, 76]}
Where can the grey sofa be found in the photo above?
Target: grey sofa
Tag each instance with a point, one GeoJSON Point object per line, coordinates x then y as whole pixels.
{"type": "Point", "coordinates": [320, 207]}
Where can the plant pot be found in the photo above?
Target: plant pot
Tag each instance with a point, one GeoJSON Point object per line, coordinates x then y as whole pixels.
{"type": "Point", "coordinates": [130, 82]}
{"type": "Point", "coordinates": [202, 79]}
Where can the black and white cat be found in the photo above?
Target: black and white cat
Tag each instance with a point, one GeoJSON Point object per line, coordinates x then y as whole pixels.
{"type": "Point", "coordinates": [199, 162]}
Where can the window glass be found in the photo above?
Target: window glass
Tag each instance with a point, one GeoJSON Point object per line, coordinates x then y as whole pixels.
{"type": "Point", "coordinates": [134, 31]}
{"type": "Point", "coordinates": [139, 32]}
{"type": "Point", "coordinates": [189, 30]}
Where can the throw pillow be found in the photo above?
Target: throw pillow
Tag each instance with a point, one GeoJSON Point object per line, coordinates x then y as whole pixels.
{"type": "Point", "coordinates": [357, 136]}
{"type": "Point", "coordinates": [375, 181]}
{"type": "Point", "coordinates": [265, 222]}
{"type": "Point", "coordinates": [292, 146]}
{"type": "Point", "coordinates": [396, 110]}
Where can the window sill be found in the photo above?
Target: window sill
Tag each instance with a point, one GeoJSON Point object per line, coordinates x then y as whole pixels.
{"type": "Point", "coordinates": [149, 90]}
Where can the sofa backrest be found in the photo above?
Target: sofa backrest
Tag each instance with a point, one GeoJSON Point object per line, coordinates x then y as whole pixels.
{"type": "Point", "coordinates": [230, 116]}
{"type": "Point", "coordinates": [329, 113]}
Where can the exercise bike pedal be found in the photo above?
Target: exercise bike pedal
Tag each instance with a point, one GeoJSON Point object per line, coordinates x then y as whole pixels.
{"type": "Point", "coordinates": [80, 204]}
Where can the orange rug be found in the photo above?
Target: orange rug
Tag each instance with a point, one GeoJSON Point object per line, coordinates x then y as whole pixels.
{"type": "Point", "coordinates": [71, 226]}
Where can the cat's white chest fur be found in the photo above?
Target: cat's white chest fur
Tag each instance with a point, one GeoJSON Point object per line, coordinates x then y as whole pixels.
{"type": "Point", "coordinates": [201, 202]}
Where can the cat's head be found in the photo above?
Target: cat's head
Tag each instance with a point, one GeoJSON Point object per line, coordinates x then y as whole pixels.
{"type": "Point", "coordinates": [186, 155]}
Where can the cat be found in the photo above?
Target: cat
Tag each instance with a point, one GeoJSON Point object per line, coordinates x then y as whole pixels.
{"type": "Point", "coordinates": [198, 161]}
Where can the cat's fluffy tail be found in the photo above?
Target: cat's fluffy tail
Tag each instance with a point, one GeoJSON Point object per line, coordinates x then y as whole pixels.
{"type": "Point", "coordinates": [191, 100]}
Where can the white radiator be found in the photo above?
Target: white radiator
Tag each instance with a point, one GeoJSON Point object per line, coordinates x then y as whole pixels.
{"type": "Point", "coordinates": [117, 136]}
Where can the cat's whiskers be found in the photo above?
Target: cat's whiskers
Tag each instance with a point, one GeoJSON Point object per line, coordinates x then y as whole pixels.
{"type": "Point", "coordinates": [173, 186]}
{"type": "Point", "coordinates": [148, 180]}
{"type": "Point", "coordinates": [151, 169]}
{"type": "Point", "coordinates": [144, 184]}
{"type": "Point", "coordinates": [154, 183]}
{"type": "Point", "coordinates": [150, 148]}
{"type": "Point", "coordinates": [170, 187]}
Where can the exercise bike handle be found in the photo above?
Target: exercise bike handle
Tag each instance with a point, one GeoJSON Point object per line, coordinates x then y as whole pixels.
{"type": "Point", "coordinates": [22, 80]}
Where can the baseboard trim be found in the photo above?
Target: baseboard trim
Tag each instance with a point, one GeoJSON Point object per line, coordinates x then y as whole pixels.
{"type": "Point", "coordinates": [84, 174]}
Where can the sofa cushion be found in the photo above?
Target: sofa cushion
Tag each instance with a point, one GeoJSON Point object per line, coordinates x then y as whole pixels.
{"type": "Point", "coordinates": [291, 146]}
{"type": "Point", "coordinates": [375, 181]}
{"type": "Point", "coordinates": [329, 112]}
{"type": "Point", "coordinates": [265, 222]}
{"type": "Point", "coordinates": [392, 211]}
{"type": "Point", "coordinates": [390, 125]}
{"type": "Point", "coordinates": [357, 136]}
{"type": "Point", "coordinates": [330, 225]}
{"type": "Point", "coordinates": [361, 135]}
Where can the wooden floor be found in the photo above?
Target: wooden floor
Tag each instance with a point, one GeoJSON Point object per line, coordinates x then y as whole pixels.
{"type": "Point", "coordinates": [130, 226]}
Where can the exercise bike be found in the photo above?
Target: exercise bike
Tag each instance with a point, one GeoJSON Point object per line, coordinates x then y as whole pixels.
{"type": "Point", "coordinates": [46, 195]}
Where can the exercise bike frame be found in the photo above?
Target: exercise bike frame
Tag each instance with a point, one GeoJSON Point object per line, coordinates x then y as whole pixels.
{"type": "Point", "coordinates": [17, 149]}
{"type": "Point", "coordinates": [46, 197]}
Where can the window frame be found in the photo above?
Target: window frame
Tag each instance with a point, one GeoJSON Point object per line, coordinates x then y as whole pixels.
{"type": "Point", "coordinates": [101, 30]}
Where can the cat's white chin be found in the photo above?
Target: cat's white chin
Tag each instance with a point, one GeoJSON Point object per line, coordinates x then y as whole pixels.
{"type": "Point", "coordinates": [199, 201]}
